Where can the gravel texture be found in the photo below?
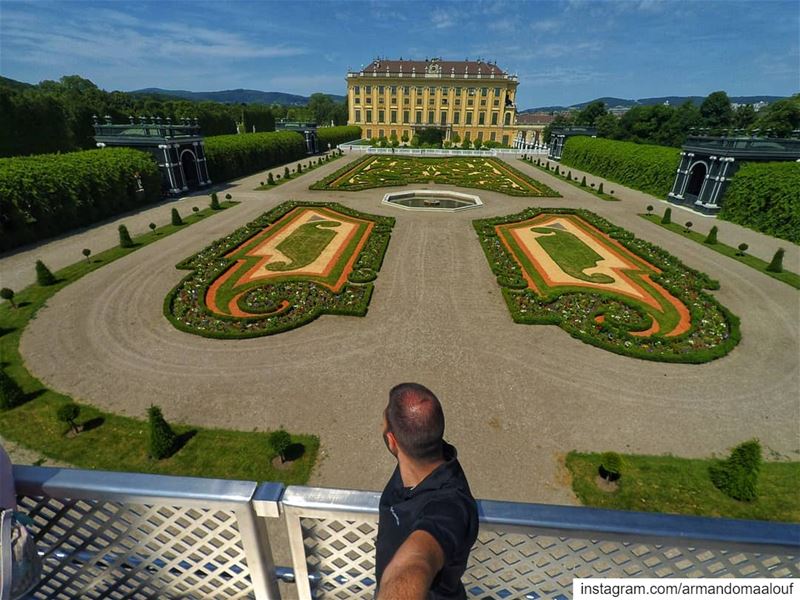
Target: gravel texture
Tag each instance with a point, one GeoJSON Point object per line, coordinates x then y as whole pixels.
{"type": "Point", "coordinates": [516, 397]}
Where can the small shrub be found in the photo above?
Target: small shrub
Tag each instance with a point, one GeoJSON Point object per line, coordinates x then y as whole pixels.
{"type": "Point", "coordinates": [228, 197]}
{"type": "Point", "coordinates": [667, 218]}
{"type": "Point", "coordinates": [162, 438]}
{"type": "Point", "coordinates": [176, 218]}
{"type": "Point", "coordinates": [279, 441]}
{"type": "Point", "coordinates": [270, 179]}
{"type": "Point", "coordinates": [569, 175]}
{"type": "Point", "coordinates": [776, 264]}
{"type": "Point", "coordinates": [591, 185]}
{"type": "Point", "coordinates": [214, 202]}
{"type": "Point", "coordinates": [10, 393]}
{"type": "Point", "coordinates": [299, 168]}
{"type": "Point", "coordinates": [687, 227]}
{"type": "Point", "coordinates": [649, 209]}
{"type": "Point", "coordinates": [125, 240]}
{"type": "Point", "coordinates": [611, 192]}
{"type": "Point", "coordinates": [86, 252]}
{"type": "Point", "coordinates": [152, 226]}
{"type": "Point", "coordinates": [737, 476]}
{"type": "Point", "coordinates": [44, 276]}
{"type": "Point", "coordinates": [600, 188]}
{"type": "Point", "coordinates": [286, 172]}
{"type": "Point", "coordinates": [68, 413]}
{"type": "Point", "coordinates": [583, 181]}
{"type": "Point", "coordinates": [8, 294]}
{"type": "Point", "coordinates": [195, 209]}
{"type": "Point", "coordinates": [742, 249]}
{"type": "Point", "coordinates": [711, 238]}
{"type": "Point", "coordinates": [610, 466]}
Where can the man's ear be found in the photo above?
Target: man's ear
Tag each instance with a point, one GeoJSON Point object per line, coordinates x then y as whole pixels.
{"type": "Point", "coordinates": [391, 442]}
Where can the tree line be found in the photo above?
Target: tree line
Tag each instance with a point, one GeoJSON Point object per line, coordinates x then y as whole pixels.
{"type": "Point", "coordinates": [666, 125]}
{"type": "Point", "coordinates": [56, 116]}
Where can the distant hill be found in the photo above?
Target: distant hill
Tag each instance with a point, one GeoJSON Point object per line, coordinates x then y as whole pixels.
{"type": "Point", "coordinates": [236, 96]}
{"type": "Point", "coordinates": [13, 83]}
{"type": "Point", "coordinates": [610, 102]}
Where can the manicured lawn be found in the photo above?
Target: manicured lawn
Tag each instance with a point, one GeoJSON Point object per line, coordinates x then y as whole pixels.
{"type": "Point", "coordinates": [792, 279]}
{"type": "Point", "coordinates": [556, 172]}
{"type": "Point", "coordinates": [304, 245]}
{"type": "Point", "coordinates": [682, 486]}
{"type": "Point", "coordinates": [113, 442]}
{"type": "Point", "coordinates": [571, 254]}
{"type": "Point", "coordinates": [471, 172]}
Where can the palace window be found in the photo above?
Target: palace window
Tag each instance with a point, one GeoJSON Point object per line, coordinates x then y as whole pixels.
{"type": "Point", "coordinates": [393, 132]}
{"type": "Point", "coordinates": [505, 140]}
{"type": "Point", "coordinates": [358, 116]}
{"type": "Point", "coordinates": [369, 133]}
{"type": "Point", "coordinates": [480, 135]}
{"type": "Point", "coordinates": [494, 118]}
{"type": "Point", "coordinates": [369, 116]}
{"type": "Point", "coordinates": [419, 117]}
{"type": "Point", "coordinates": [431, 90]}
{"type": "Point", "coordinates": [419, 90]}
{"type": "Point", "coordinates": [394, 116]}
{"type": "Point", "coordinates": [381, 133]}
{"type": "Point", "coordinates": [458, 92]}
{"type": "Point", "coordinates": [481, 118]}
{"type": "Point", "coordinates": [470, 102]}
{"type": "Point", "coordinates": [406, 89]}
{"type": "Point", "coordinates": [356, 100]}
{"type": "Point", "coordinates": [469, 118]}
{"type": "Point", "coordinates": [484, 91]}
{"type": "Point", "coordinates": [430, 117]}
{"type": "Point", "coordinates": [393, 90]}
{"type": "Point", "coordinates": [369, 89]}
{"type": "Point", "coordinates": [483, 102]}
{"type": "Point", "coordinates": [496, 102]}
{"type": "Point", "coordinates": [368, 100]}
{"type": "Point", "coordinates": [493, 136]}
{"type": "Point", "coordinates": [356, 89]}
{"type": "Point", "coordinates": [406, 101]}
{"type": "Point", "coordinates": [458, 101]}
{"type": "Point", "coordinates": [496, 92]}
{"type": "Point", "coordinates": [471, 92]}
{"type": "Point", "coordinates": [431, 101]}
{"type": "Point", "coordinates": [419, 101]}
{"type": "Point", "coordinates": [444, 101]}
{"type": "Point", "coordinates": [507, 120]}
{"type": "Point", "coordinates": [381, 100]}
{"type": "Point", "coordinates": [443, 118]}
{"type": "Point", "coordinates": [381, 116]}
{"type": "Point", "coordinates": [380, 89]}
{"type": "Point", "coordinates": [405, 116]}
{"type": "Point", "coordinates": [445, 90]}
{"type": "Point", "coordinates": [456, 118]}
{"type": "Point", "coordinates": [467, 135]}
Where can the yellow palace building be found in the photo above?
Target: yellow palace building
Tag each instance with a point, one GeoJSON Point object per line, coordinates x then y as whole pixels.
{"type": "Point", "coordinates": [473, 99]}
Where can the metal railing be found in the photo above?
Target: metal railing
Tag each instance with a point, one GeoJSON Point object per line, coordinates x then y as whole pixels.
{"type": "Point", "coordinates": [123, 535]}
{"type": "Point", "coordinates": [365, 149]}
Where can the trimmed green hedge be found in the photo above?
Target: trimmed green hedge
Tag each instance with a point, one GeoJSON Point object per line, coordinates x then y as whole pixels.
{"type": "Point", "coordinates": [766, 197]}
{"type": "Point", "coordinates": [650, 169]}
{"type": "Point", "coordinates": [337, 135]}
{"type": "Point", "coordinates": [232, 156]}
{"type": "Point", "coordinates": [714, 330]}
{"type": "Point", "coordinates": [47, 194]}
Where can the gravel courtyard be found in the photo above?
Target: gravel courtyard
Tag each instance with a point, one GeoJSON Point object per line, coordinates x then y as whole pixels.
{"type": "Point", "coordinates": [516, 397]}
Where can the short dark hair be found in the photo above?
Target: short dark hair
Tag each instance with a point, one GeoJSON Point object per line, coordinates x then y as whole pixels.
{"type": "Point", "coordinates": [415, 417]}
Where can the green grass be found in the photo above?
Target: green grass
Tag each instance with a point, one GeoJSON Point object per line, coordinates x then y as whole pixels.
{"type": "Point", "coordinates": [304, 245]}
{"type": "Point", "coordinates": [571, 254]}
{"type": "Point", "coordinates": [119, 443]}
{"type": "Point", "coordinates": [281, 179]}
{"type": "Point", "coordinates": [557, 173]}
{"type": "Point", "coordinates": [787, 277]}
{"type": "Point", "coordinates": [682, 486]}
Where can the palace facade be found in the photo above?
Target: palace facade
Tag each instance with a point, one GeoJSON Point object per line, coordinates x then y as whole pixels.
{"type": "Point", "coordinates": [473, 99]}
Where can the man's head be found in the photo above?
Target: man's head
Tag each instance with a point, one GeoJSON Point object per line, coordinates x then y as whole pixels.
{"type": "Point", "coordinates": [414, 422]}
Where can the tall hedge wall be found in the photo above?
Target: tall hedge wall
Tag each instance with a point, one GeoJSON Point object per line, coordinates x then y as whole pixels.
{"type": "Point", "coordinates": [650, 169]}
{"type": "Point", "coordinates": [47, 194]}
{"type": "Point", "coordinates": [765, 197]}
{"type": "Point", "coordinates": [232, 156]}
{"type": "Point", "coordinates": [337, 135]}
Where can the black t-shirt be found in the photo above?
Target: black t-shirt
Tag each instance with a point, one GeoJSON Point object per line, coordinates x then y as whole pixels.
{"type": "Point", "coordinates": [440, 504]}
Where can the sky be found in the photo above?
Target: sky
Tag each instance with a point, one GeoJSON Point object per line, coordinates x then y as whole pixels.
{"type": "Point", "coordinates": [563, 52]}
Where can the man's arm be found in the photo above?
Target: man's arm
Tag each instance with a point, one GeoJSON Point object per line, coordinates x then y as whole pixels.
{"type": "Point", "coordinates": [409, 574]}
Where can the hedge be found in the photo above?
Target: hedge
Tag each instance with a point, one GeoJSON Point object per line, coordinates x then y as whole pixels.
{"type": "Point", "coordinates": [765, 197]}
{"type": "Point", "coordinates": [232, 156]}
{"type": "Point", "coordinates": [650, 169]}
{"type": "Point", "coordinates": [47, 194]}
{"type": "Point", "coordinates": [337, 135]}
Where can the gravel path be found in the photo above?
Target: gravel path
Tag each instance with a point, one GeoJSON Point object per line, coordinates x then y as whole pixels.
{"type": "Point", "coordinates": [516, 397]}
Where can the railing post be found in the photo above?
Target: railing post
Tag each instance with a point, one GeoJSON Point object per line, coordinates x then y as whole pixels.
{"type": "Point", "coordinates": [255, 539]}
{"type": "Point", "coordinates": [296, 545]}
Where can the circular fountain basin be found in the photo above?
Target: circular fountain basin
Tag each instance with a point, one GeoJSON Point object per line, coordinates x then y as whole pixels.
{"type": "Point", "coordinates": [432, 200]}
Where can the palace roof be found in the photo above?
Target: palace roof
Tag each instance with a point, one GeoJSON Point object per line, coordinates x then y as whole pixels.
{"type": "Point", "coordinates": [434, 65]}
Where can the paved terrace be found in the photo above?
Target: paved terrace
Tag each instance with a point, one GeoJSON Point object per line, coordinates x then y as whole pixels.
{"type": "Point", "coordinates": [516, 397]}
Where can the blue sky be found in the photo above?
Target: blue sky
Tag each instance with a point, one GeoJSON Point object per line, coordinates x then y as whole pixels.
{"type": "Point", "coordinates": [564, 52]}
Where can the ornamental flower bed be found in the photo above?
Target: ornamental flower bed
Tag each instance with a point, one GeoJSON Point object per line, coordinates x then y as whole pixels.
{"type": "Point", "coordinates": [287, 301]}
{"type": "Point", "coordinates": [609, 320]}
{"type": "Point", "coordinates": [471, 172]}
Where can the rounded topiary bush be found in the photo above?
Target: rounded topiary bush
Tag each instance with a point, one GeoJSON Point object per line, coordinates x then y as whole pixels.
{"type": "Point", "coordinates": [742, 249]}
{"type": "Point", "coordinates": [279, 441]}
{"type": "Point", "coordinates": [610, 466]}
{"type": "Point", "coordinates": [10, 393]}
{"type": "Point", "coordinates": [152, 226]}
{"type": "Point", "coordinates": [8, 294]}
{"type": "Point", "coordinates": [228, 197]}
{"type": "Point", "coordinates": [68, 413]}
{"type": "Point", "coordinates": [737, 476]}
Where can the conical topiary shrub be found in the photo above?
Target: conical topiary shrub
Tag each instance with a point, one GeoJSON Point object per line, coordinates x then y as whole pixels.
{"type": "Point", "coordinates": [176, 217]}
{"type": "Point", "coordinates": [161, 443]}
{"type": "Point", "coordinates": [737, 476]}
{"type": "Point", "coordinates": [583, 181]}
{"type": "Point", "coordinates": [711, 238]}
{"type": "Point", "coordinates": [776, 264]}
{"type": "Point", "coordinates": [667, 218]}
{"type": "Point", "coordinates": [10, 393]}
{"type": "Point", "coordinates": [125, 240]}
{"type": "Point", "coordinates": [600, 188]}
{"type": "Point", "coordinates": [215, 202]}
{"type": "Point", "coordinates": [44, 276]}
{"type": "Point", "coordinates": [270, 179]}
